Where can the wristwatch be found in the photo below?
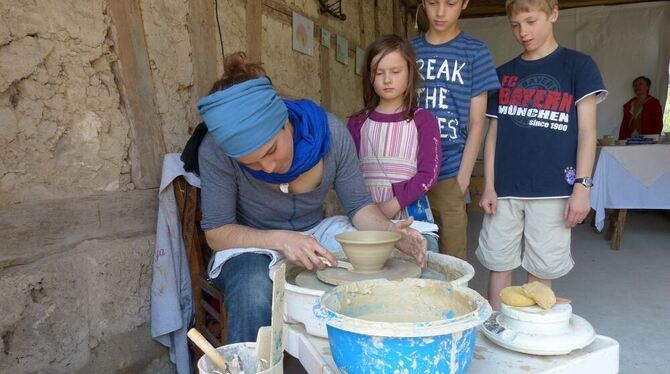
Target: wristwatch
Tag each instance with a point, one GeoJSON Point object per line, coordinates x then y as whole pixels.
{"type": "Point", "coordinates": [586, 181]}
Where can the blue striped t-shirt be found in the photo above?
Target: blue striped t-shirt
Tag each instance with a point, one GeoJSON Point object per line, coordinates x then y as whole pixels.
{"type": "Point", "coordinates": [453, 73]}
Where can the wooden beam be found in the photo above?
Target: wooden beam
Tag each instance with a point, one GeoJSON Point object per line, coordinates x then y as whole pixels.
{"type": "Point", "coordinates": [377, 29]}
{"type": "Point", "coordinates": [489, 8]}
{"type": "Point", "coordinates": [324, 66]}
{"type": "Point", "coordinates": [137, 93]}
{"type": "Point", "coordinates": [205, 51]}
{"type": "Point", "coordinates": [35, 230]}
{"type": "Point", "coordinates": [254, 29]}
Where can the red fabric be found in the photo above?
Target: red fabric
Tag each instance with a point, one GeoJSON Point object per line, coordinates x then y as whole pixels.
{"type": "Point", "coordinates": [652, 118]}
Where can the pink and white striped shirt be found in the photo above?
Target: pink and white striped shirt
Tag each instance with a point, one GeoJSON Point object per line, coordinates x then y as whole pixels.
{"type": "Point", "coordinates": [399, 158]}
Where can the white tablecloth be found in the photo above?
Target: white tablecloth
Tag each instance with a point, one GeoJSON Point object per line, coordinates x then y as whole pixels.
{"type": "Point", "coordinates": [631, 177]}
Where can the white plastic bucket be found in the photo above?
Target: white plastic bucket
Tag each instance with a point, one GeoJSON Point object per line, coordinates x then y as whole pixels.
{"type": "Point", "coordinates": [246, 356]}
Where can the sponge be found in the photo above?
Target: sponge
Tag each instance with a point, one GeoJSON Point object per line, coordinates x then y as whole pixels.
{"type": "Point", "coordinates": [514, 296]}
{"type": "Point", "coordinates": [543, 295]}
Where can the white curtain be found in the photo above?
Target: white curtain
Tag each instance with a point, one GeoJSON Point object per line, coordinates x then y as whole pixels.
{"type": "Point", "coordinates": [626, 41]}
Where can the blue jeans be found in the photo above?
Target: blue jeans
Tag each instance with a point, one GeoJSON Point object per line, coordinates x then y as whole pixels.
{"type": "Point", "coordinates": [247, 295]}
{"type": "Point", "coordinates": [431, 242]}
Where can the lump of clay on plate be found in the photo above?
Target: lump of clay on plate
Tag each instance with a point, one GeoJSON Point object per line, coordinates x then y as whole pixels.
{"type": "Point", "coordinates": [514, 296]}
{"type": "Point", "coordinates": [543, 295]}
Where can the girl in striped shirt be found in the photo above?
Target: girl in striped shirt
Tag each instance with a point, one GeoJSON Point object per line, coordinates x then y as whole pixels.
{"type": "Point", "coordinates": [398, 144]}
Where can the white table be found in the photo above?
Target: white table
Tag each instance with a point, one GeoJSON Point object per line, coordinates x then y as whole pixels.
{"type": "Point", "coordinates": [630, 177]}
{"type": "Point", "coordinates": [601, 357]}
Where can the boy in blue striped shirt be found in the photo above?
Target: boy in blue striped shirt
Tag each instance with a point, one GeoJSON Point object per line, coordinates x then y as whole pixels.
{"type": "Point", "coordinates": [457, 72]}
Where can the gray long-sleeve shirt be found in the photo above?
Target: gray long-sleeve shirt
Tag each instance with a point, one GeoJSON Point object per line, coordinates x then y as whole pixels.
{"type": "Point", "coordinates": [231, 195]}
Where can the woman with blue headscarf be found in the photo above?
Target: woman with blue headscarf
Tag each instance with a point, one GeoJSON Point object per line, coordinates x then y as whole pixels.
{"type": "Point", "coordinates": [266, 166]}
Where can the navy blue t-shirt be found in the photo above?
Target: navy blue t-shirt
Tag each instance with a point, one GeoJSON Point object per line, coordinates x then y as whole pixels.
{"type": "Point", "coordinates": [536, 107]}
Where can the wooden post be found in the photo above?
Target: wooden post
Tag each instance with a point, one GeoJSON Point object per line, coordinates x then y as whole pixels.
{"type": "Point", "coordinates": [324, 62]}
{"type": "Point", "coordinates": [618, 232]}
{"type": "Point", "coordinates": [376, 12]}
{"type": "Point", "coordinates": [138, 93]}
{"type": "Point", "coordinates": [254, 29]}
{"type": "Point", "coordinates": [204, 53]}
{"type": "Point", "coordinates": [394, 14]}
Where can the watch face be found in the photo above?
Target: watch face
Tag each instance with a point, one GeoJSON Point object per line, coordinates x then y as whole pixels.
{"type": "Point", "coordinates": [588, 182]}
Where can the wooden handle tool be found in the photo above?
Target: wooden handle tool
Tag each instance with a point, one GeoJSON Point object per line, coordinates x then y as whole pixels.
{"type": "Point", "coordinates": [209, 350]}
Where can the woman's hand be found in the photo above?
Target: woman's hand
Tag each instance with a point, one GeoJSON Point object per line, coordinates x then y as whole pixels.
{"type": "Point", "coordinates": [304, 250]}
{"type": "Point", "coordinates": [412, 243]}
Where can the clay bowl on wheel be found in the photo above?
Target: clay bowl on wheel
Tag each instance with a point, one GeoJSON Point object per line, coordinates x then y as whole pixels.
{"type": "Point", "coordinates": [367, 251]}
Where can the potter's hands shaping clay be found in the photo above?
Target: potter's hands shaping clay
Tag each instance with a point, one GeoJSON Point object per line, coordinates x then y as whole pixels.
{"type": "Point", "coordinates": [412, 243]}
{"type": "Point", "coordinates": [543, 295]}
{"type": "Point", "coordinates": [304, 250]}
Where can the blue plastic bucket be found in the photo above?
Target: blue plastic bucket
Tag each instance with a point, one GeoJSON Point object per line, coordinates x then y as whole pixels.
{"type": "Point", "coordinates": [408, 326]}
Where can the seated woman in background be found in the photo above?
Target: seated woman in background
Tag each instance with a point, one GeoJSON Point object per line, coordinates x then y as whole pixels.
{"type": "Point", "coordinates": [642, 115]}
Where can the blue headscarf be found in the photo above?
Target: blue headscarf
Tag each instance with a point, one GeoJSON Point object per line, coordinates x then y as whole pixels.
{"type": "Point", "coordinates": [247, 115]}
{"type": "Point", "coordinates": [311, 140]}
{"type": "Point", "coordinates": [243, 117]}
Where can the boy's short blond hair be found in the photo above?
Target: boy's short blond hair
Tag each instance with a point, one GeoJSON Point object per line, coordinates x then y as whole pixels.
{"type": "Point", "coordinates": [515, 6]}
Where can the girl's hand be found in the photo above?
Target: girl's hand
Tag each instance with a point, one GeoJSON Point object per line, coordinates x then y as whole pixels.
{"type": "Point", "coordinates": [304, 250]}
{"type": "Point", "coordinates": [412, 243]}
{"type": "Point", "coordinates": [489, 201]}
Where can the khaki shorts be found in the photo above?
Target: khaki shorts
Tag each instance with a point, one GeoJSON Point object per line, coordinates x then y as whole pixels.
{"type": "Point", "coordinates": [540, 224]}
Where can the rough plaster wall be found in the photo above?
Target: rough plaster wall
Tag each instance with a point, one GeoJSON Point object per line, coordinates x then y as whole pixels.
{"type": "Point", "coordinates": [58, 311]}
{"type": "Point", "coordinates": [233, 19]}
{"type": "Point", "coordinates": [295, 74]}
{"type": "Point", "coordinates": [169, 48]}
{"type": "Point", "coordinates": [346, 90]}
{"type": "Point", "coordinates": [62, 131]}
{"type": "Point", "coordinates": [347, 95]}
{"type": "Point", "coordinates": [308, 8]}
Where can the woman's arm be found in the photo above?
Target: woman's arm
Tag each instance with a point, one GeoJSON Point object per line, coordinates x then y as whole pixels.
{"type": "Point", "coordinates": [624, 132]}
{"type": "Point", "coordinates": [412, 243]}
{"type": "Point", "coordinates": [298, 248]}
{"type": "Point", "coordinates": [655, 116]}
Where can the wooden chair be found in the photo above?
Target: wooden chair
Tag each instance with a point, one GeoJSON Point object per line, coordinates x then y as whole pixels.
{"type": "Point", "coordinates": [210, 322]}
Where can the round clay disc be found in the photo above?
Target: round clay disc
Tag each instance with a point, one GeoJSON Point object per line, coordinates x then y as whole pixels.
{"type": "Point", "coordinates": [394, 269]}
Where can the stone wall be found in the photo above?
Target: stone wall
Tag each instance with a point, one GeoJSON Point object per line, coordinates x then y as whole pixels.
{"type": "Point", "coordinates": [76, 232]}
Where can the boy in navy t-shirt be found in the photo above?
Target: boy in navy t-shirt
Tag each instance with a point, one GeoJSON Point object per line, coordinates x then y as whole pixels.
{"type": "Point", "coordinates": [457, 72]}
{"type": "Point", "coordinates": [539, 152]}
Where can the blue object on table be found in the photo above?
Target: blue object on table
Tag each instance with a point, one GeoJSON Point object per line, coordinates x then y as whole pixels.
{"type": "Point", "coordinates": [420, 210]}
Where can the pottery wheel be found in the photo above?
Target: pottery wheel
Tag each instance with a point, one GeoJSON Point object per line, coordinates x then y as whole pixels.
{"type": "Point", "coordinates": [308, 279]}
{"type": "Point", "coordinates": [394, 269]}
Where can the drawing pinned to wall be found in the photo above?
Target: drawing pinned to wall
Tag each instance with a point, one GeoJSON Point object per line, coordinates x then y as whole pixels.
{"type": "Point", "coordinates": [342, 54]}
{"type": "Point", "coordinates": [360, 60]}
{"type": "Point", "coordinates": [325, 38]}
{"type": "Point", "coordinates": [303, 34]}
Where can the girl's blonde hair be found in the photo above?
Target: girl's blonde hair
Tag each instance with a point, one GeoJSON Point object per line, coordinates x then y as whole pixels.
{"type": "Point", "coordinates": [515, 6]}
{"type": "Point", "coordinates": [378, 49]}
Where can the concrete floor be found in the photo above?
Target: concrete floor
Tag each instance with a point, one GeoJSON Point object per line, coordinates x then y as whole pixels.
{"type": "Point", "coordinates": [624, 294]}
